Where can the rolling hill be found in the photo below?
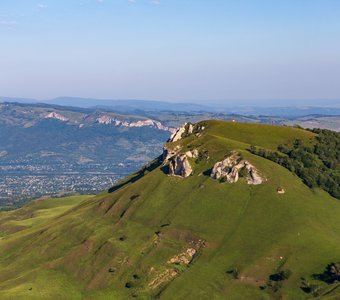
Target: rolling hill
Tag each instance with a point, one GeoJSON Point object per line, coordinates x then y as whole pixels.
{"type": "Point", "coordinates": [206, 220]}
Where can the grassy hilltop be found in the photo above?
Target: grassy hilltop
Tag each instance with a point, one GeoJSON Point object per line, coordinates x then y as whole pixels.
{"type": "Point", "coordinates": [155, 236]}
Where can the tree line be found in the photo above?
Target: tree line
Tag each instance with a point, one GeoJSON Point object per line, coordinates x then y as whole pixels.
{"type": "Point", "coordinates": [317, 164]}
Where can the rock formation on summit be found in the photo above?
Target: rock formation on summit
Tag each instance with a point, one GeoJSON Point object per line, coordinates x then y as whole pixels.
{"type": "Point", "coordinates": [180, 166]}
{"type": "Point", "coordinates": [168, 153]}
{"type": "Point", "coordinates": [182, 131]}
{"type": "Point", "coordinates": [231, 167]}
{"type": "Point", "coordinates": [177, 135]}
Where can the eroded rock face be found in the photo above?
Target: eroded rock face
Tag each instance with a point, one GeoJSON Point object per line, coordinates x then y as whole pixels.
{"type": "Point", "coordinates": [184, 258]}
{"type": "Point", "coordinates": [163, 277]}
{"type": "Point", "coordinates": [186, 129]}
{"type": "Point", "coordinates": [107, 120]}
{"type": "Point", "coordinates": [168, 153]}
{"type": "Point", "coordinates": [180, 166]}
{"type": "Point", "coordinates": [230, 169]}
{"type": "Point", "coordinates": [190, 128]}
{"type": "Point", "coordinates": [192, 154]}
{"type": "Point", "coordinates": [54, 115]}
{"type": "Point", "coordinates": [177, 135]}
{"type": "Point", "coordinates": [254, 176]}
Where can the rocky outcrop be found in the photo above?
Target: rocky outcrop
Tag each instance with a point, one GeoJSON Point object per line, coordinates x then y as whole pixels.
{"type": "Point", "coordinates": [192, 154]}
{"type": "Point", "coordinates": [56, 116]}
{"type": "Point", "coordinates": [160, 126]}
{"type": "Point", "coordinates": [254, 175]}
{"type": "Point", "coordinates": [184, 258]}
{"type": "Point", "coordinates": [180, 166]}
{"type": "Point", "coordinates": [185, 130]}
{"type": "Point", "coordinates": [108, 120]}
{"type": "Point", "coordinates": [179, 133]}
{"type": "Point", "coordinates": [190, 128]}
{"type": "Point", "coordinates": [142, 123]}
{"type": "Point", "coordinates": [168, 153]}
{"type": "Point", "coordinates": [280, 190]}
{"type": "Point", "coordinates": [198, 130]}
{"type": "Point", "coordinates": [231, 167]}
{"type": "Point", "coordinates": [163, 277]}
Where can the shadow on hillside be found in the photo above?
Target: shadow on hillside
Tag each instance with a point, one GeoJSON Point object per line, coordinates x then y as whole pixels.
{"type": "Point", "coordinates": [207, 172]}
{"type": "Point", "coordinates": [165, 169]}
{"type": "Point", "coordinates": [146, 169]}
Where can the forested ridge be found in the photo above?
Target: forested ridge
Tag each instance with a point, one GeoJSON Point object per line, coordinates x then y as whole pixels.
{"type": "Point", "coordinates": [317, 164]}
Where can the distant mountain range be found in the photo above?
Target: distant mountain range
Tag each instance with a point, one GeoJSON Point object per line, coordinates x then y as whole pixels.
{"type": "Point", "coordinates": [140, 107]}
{"type": "Point", "coordinates": [29, 115]}
{"type": "Point", "coordinates": [125, 106]}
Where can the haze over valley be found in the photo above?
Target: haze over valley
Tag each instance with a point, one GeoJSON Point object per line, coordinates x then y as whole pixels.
{"type": "Point", "coordinates": [56, 150]}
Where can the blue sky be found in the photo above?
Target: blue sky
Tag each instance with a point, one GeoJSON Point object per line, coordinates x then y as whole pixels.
{"type": "Point", "coordinates": [243, 51]}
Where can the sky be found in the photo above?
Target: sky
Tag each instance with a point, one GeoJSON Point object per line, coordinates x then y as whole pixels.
{"type": "Point", "coordinates": [203, 51]}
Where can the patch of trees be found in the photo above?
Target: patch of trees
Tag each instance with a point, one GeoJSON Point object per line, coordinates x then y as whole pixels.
{"type": "Point", "coordinates": [276, 280]}
{"type": "Point", "coordinates": [318, 164]}
{"type": "Point", "coordinates": [331, 273]}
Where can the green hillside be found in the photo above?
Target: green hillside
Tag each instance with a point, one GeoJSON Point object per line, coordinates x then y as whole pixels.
{"type": "Point", "coordinates": [155, 236]}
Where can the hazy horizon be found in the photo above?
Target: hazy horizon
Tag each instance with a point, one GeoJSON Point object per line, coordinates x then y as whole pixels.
{"type": "Point", "coordinates": [208, 103]}
{"type": "Point", "coordinates": [216, 52]}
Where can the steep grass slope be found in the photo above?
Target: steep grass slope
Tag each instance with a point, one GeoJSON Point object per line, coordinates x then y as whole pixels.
{"type": "Point", "coordinates": [156, 236]}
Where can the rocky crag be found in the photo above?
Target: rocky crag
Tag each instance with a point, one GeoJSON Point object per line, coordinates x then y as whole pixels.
{"type": "Point", "coordinates": [231, 168]}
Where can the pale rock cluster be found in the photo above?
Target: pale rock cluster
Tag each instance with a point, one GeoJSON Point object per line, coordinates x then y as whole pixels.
{"type": "Point", "coordinates": [184, 258]}
{"type": "Point", "coordinates": [192, 154]}
{"type": "Point", "coordinates": [163, 277]}
{"type": "Point", "coordinates": [167, 154]}
{"type": "Point", "coordinates": [230, 167]}
{"type": "Point", "coordinates": [187, 129]}
{"type": "Point", "coordinates": [199, 130]}
{"type": "Point", "coordinates": [107, 120]}
{"type": "Point", "coordinates": [281, 190]}
{"type": "Point", "coordinates": [56, 116]}
{"type": "Point", "coordinates": [180, 166]}
{"type": "Point", "coordinates": [177, 135]}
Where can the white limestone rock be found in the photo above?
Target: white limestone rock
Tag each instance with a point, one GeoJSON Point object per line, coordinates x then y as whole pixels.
{"type": "Point", "coordinates": [281, 190]}
{"type": "Point", "coordinates": [168, 153]}
{"type": "Point", "coordinates": [230, 167]}
{"type": "Point", "coordinates": [177, 135]}
{"type": "Point", "coordinates": [192, 154]}
{"type": "Point", "coordinates": [180, 166]}
{"type": "Point", "coordinates": [56, 116]}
